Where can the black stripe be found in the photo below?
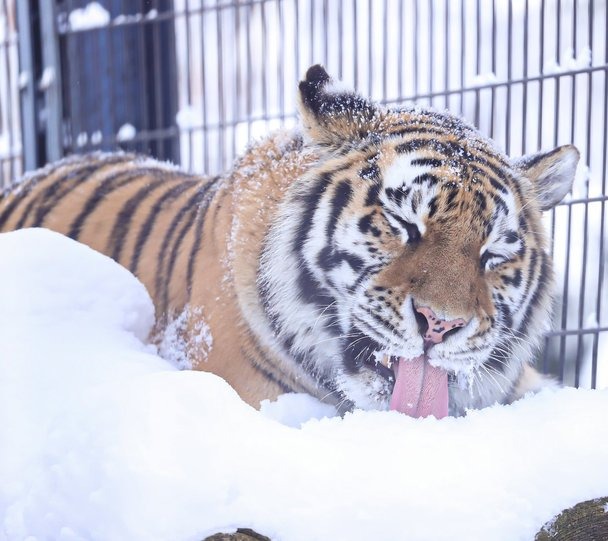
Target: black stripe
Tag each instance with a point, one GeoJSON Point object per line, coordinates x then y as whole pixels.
{"type": "Point", "coordinates": [372, 195]}
{"type": "Point", "coordinates": [189, 207]}
{"type": "Point", "coordinates": [210, 187]}
{"type": "Point", "coordinates": [105, 188]}
{"type": "Point", "coordinates": [397, 195]}
{"type": "Point", "coordinates": [366, 225]}
{"type": "Point", "coordinates": [541, 285]}
{"type": "Point", "coordinates": [83, 166]}
{"type": "Point", "coordinates": [189, 221]}
{"type": "Point", "coordinates": [122, 223]}
{"type": "Point", "coordinates": [55, 193]}
{"type": "Point", "coordinates": [371, 172]}
{"type": "Point", "coordinates": [500, 204]}
{"type": "Point", "coordinates": [357, 348]}
{"type": "Point", "coordinates": [25, 214]}
{"type": "Point", "coordinates": [426, 177]}
{"type": "Point", "coordinates": [498, 186]}
{"type": "Point", "coordinates": [342, 196]}
{"type": "Point", "coordinates": [10, 208]}
{"type": "Point", "coordinates": [427, 162]}
{"type": "Point", "coordinates": [432, 207]}
{"type": "Point", "coordinates": [514, 280]}
{"type": "Point", "coordinates": [531, 270]}
{"type": "Point", "coordinates": [310, 202]}
{"type": "Point", "coordinates": [329, 259]}
{"type": "Point", "coordinates": [148, 223]}
{"type": "Point", "coordinates": [266, 373]}
{"type": "Point", "coordinates": [480, 198]}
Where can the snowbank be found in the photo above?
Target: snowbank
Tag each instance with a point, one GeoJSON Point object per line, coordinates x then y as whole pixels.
{"type": "Point", "coordinates": [100, 439]}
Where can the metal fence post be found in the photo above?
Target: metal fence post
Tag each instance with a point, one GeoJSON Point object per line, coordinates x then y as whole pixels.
{"type": "Point", "coordinates": [50, 81]}
{"type": "Point", "coordinates": [29, 130]}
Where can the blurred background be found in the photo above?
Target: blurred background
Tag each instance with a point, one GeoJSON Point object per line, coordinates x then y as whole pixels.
{"type": "Point", "coordinates": [192, 81]}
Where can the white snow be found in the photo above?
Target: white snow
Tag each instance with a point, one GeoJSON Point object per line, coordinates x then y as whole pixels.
{"type": "Point", "coordinates": [24, 79]}
{"type": "Point", "coordinates": [93, 15]}
{"type": "Point", "coordinates": [126, 132]}
{"type": "Point", "coordinates": [96, 137]}
{"type": "Point", "coordinates": [171, 343]}
{"type": "Point", "coordinates": [82, 139]}
{"type": "Point", "coordinates": [47, 78]}
{"type": "Point", "coordinates": [101, 439]}
{"type": "Point", "coordinates": [188, 117]}
{"type": "Point", "coordinates": [570, 62]}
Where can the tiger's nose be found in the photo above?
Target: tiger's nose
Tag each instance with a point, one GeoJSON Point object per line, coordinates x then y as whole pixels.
{"type": "Point", "coordinates": [434, 329]}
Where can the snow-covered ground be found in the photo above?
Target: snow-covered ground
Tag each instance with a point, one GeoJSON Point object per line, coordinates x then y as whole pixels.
{"type": "Point", "coordinates": [100, 439]}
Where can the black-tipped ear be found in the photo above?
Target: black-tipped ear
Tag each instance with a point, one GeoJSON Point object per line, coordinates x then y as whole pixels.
{"type": "Point", "coordinates": [332, 115]}
{"type": "Point", "coordinates": [552, 173]}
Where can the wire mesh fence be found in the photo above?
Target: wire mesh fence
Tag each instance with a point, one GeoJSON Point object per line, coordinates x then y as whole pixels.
{"type": "Point", "coordinates": [194, 80]}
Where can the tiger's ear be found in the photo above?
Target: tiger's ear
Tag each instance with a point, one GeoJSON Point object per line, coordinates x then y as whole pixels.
{"type": "Point", "coordinates": [332, 115]}
{"type": "Point", "coordinates": [552, 173]}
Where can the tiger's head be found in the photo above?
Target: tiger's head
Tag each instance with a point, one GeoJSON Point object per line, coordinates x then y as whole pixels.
{"type": "Point", "coordinates": [408, 267]}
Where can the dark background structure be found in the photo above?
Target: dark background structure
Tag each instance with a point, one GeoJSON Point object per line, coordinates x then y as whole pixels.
{"type": "Point", "coordinates": [192, 81]}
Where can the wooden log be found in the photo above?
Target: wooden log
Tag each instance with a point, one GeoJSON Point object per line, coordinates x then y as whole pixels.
{"type": "Point", "coordinates": [586, 521]}
{"type": "Point", "coordinates": [242, 534]}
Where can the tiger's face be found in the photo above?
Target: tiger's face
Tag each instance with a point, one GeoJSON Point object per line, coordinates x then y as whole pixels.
{"type": "Point", "coordinates": [408, 268]}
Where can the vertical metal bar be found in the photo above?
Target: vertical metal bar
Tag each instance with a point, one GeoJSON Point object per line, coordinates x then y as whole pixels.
{"type": "Point", "coordinates": [431, 58]}
{"type": "Point", "coordinates": [29, 137]}
{"type": "Point", "coordinates": [601, 256]}
{"type": "Point", "coordinates": [111, 56]}
{"type": "Point", "coordinates": [525, 84]}
{"type": "Point", "coordinates": [144, 101]}
{"type": "Point", "coordinates": [400, 69]}
{"type": "Point", "coordinates": [582, 289]}
{"type": "Point", "coordinates": [564, 318]}
{"type": "Point", "coordinates": [158, 99]}
{"type": "Point", "coordinates": [493, 107]}
{"type": "Point", "coordinates": [205, 127]}
{"type": "Point", "coordinates": [281, 64]}
{"type": "Point", "coordinates": [239, 83]}
{"type": "Point", "coordinates": [416, 49]}
{"type": "Point", "coordinates": [264, 63]}
{"type": "Point", "coordinates": [447, 51]}
{"type": "Point", "coordinates": [296, 8]}
{"type": "Point", "coordinates": [539, 140]}
{"type": "Point", "coordinates": [463, 30]}
{"type": "Point", "coordinates": [355, 41]}
{"type": "Point", "coordinates": [541, 83]}
{"type": "Point", "coordinates": [340, 39]}
{"type": "Point", "coordinates": [9, 109]}
{"type": "Point", "coordinates": [509, 77]}
{"type": "Point", "coordinates": [220, 83]}
{"type": "Point", "coordinates": [477, 58]}
{"type": "Point", "coordinates": [187, 16]}
{"type": "Point", "coordinates": [52, 67]}
{"type": "Point", "coordinates": [312, 24]}
{"type": "Point", "coordinates": [325, 34]}
{"type": "Point", "coordinates": [370, 62]}
{"type": "Point", "coordinates": [384, 51]}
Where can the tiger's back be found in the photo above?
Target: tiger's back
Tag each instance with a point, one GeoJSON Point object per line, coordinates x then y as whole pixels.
{"type": "Point", "coordinates": [135, 210]}
{"type": "Point", "coordinates": [176, 233]}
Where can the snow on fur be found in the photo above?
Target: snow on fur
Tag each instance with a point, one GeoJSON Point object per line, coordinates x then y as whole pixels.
{"type": "Point", "coordinates": [101, 439]}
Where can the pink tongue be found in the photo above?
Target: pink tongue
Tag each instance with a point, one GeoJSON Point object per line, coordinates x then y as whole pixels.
{"type": "Point", "coordinates": [420, 389]}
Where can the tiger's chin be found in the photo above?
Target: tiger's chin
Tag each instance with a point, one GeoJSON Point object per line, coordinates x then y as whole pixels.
{"type": "Point", "coordinates": [423, 386]}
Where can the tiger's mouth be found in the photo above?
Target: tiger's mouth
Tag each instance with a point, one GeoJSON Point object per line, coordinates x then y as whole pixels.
{"type": "Point", "coordinates": [419, 388]}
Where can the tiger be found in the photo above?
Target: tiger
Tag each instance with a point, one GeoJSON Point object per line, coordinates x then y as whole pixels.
{"type": "Point", "coordinates": [375, 258]}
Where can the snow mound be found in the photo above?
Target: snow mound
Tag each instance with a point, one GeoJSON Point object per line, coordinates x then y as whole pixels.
{"type": "Point", "coordinates": [101, 439]}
